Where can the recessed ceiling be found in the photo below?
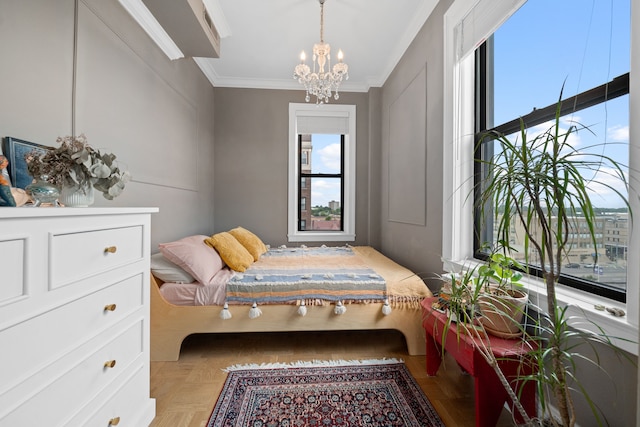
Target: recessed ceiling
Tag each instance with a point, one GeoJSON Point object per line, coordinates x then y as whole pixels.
{"type": "Point", "coordinates": [262, 40]}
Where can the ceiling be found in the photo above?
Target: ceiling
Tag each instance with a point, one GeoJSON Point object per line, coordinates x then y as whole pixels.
{"type": "Point", "coordinates": [261, 41]}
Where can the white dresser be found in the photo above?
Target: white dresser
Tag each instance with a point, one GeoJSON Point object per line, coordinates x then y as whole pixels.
{"type": "Point", "coordinates": [74, 317]}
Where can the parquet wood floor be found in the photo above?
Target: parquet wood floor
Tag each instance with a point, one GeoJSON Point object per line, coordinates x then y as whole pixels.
{"type": "Point", "coordinates": [186, 390]}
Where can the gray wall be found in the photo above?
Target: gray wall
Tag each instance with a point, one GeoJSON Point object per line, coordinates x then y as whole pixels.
{"type": "Point", "coordinates": [154, 114]}
{"type": "Point", "coordinates": [251, 161]}
{"type": "Point", "coordinates": [411, 221]}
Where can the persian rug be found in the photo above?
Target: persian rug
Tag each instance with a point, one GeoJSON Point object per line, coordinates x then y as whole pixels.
{"type": "Point", "coordinates": [334, 393]}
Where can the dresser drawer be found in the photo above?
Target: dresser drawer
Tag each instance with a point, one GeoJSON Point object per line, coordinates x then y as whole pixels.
{"type": "Point", "coordinates": [29, 346]}
{"type": "Point", "coordinates": [82, 380]}
{"type": "Point", "coordinates": [128, 405]}
{"type": "Point", "coordinates": [75, 256]}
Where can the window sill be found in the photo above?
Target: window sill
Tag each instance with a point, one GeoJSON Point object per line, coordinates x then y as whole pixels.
{"type": "Point", "coordinates": [582, 306]}
{"type": "Point", "coordinates": [310, 236]}
{"type": "Point", "coordinates": [621, 331]}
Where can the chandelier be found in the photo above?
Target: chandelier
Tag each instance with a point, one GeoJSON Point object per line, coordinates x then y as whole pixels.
{"type": "Point", "coordinates": [321, 83]}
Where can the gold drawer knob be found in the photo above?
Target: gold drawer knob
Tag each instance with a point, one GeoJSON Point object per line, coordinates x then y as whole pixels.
{"type": "Point", "coordinates": [114, 421]}
{"type": "Point", "coordinates": [110, 307]}
{"type": "Point", "coordinates": [110, 364]}
{"type": "Point", "coordinates": [110, 249]}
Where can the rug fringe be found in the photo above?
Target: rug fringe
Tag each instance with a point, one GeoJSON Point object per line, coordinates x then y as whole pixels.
{"type": "Point", "coordinates": [311, 364]}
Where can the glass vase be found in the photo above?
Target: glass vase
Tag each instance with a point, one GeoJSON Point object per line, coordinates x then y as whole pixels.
{"type": "Point", "coordinates": [76, 196]}
{"type": "Point", "coordinates": [42, 192]}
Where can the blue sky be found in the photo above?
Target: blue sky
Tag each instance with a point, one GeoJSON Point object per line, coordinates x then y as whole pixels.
{"type": "Point", "coordinates": [581, 43]}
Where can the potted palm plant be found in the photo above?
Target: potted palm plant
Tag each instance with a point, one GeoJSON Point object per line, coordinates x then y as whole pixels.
{"type": "Point", "coordinates": [541, 185]}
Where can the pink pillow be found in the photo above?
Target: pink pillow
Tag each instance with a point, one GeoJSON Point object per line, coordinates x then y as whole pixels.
{"type": "Point", "coordinates": [193, 255]}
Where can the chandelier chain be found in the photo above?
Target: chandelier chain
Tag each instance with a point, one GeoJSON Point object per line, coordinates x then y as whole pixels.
{"type": "Point", "coordinates": [321, 21]}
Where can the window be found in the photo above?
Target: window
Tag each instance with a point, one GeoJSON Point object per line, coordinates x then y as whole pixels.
{"type": "Point", "coordinates": [321, 173]}
{"type": "Point", "coordinates": [515, 78]}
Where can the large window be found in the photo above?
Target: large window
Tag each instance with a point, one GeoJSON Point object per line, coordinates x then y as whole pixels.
{"type": "Point", "coordinates": [585, 48]}
{"type": "Point", "coordinates": [321, 173]}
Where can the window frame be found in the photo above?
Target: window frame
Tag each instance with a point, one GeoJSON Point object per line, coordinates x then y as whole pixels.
{"type": "Point", "coordinates": [457, 150]}
{"type": "Point", "coordinates": [347, 234]}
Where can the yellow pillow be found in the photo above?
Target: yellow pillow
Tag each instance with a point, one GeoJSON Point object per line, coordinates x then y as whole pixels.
{"type": "Point", "coordinates": [250, 241]}
{"type": "Point", "coordinates": [231, 251]}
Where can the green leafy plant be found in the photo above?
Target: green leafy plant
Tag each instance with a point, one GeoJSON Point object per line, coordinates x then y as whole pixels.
{"type": "Point", "coordinates": [542, 185]}
{"type": "Point", "coordinates": [505, 272]}
{"type": "Point", "coordinates": [461, 293]}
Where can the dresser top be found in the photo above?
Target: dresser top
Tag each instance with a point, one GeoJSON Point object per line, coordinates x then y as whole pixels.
{"type": "Point", "coordinates": [42, 212]}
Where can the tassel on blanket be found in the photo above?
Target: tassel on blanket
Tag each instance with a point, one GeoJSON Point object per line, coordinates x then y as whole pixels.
{"type": "Point", "coordinates": [254, 311]}
{"type": "Point", "coordinates": [340, 309]}
{"type": "Point", "coordinates": [302, 309]}
{"type": "Point", "coordinates": [225, 314]}
{"type": "Point", "coordinates": [386, 308]}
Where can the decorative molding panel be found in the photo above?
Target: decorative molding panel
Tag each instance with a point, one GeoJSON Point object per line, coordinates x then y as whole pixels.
{"type": "Point", "coordinates": [408, 153]}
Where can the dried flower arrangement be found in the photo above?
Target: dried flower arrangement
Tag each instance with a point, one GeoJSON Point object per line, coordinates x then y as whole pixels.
{"type": "Point", "coordinates": [76, 164]}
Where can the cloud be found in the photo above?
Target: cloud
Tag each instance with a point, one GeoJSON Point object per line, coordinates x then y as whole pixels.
{"type": "Point", "coordinates": [603, 196]}
{"type": "Point", "coordinates": [618, 133]}
{"type": "Point", "coordinates": [330, 157]}
{"type": "Point", "coordinates": [323, 191]}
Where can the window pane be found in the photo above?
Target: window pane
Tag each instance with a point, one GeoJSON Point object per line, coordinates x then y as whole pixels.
{"type": "Point", "coordinates": [321, 194]}
{"type": "Point", "coordinates": [326, 153]}
{"type": "Point", "coordinates": [326, 210]}
{"type": "Point", "coordinates": [582, 44]}
{"type": "Point", "coordinates": [611, 228]}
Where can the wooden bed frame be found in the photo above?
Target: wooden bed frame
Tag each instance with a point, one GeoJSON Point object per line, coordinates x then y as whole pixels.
{"type": "Point", "coordinates": [171, 324]}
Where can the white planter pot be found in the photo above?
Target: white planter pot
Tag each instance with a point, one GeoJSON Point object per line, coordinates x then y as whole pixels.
{"type": "Point", "coordinates": [77, 196]}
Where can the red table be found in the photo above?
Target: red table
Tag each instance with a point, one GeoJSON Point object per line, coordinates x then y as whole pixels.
{"type": "Point", "coordinates": [490, 395]}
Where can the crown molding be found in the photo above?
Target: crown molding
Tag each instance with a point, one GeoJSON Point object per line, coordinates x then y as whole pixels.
{"type": "Point", "coordinates": [206, 66]}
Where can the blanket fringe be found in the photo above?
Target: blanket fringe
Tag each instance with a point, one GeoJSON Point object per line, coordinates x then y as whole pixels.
{"type": "Point", "coordinates": [225, 314]}
{"type": "Point", "coordinates": [386, 308]}
{"type": "Point", "coordinates": [311, 364]}
{"type": "Point", "coordinates": [302, 309]}
{"type": "Point", "coordinates": [254, 311]}
{"type": "Point", "coordinates": [406, 302]}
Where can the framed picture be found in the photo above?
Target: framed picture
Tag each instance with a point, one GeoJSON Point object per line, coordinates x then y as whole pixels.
{"type": "Point", "coordinates": [15, 150]}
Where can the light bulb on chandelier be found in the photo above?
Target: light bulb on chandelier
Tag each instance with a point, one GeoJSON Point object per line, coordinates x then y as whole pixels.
{"type": "Point", "coordinates": [320, 83]}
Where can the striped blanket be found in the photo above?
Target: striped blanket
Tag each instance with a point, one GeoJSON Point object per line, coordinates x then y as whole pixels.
{"type": "Point", "coordinates": [312, 275]}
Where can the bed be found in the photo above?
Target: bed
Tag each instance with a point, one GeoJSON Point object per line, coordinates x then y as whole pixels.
{"type": "Point", "coordinates": [384, 295]}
